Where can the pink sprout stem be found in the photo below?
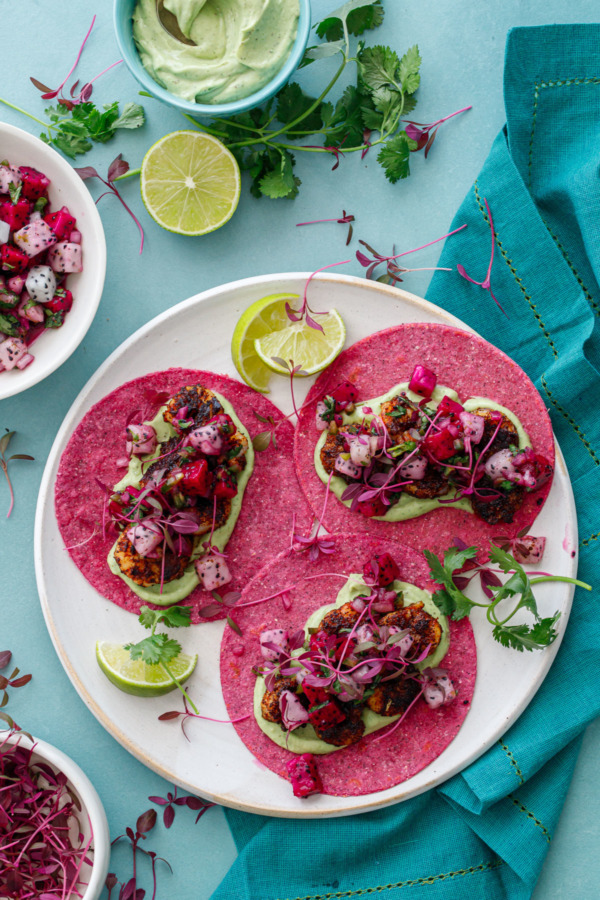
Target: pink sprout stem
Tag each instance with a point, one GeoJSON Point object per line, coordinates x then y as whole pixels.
{"type": "Point", "coordinates": [416, 249]}
{"type": "Point", "coordinates": [322, 269]}
{"type": "Point", "coordinates": [74, 66]}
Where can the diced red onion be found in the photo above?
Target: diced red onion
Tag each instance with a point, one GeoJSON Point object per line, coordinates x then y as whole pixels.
{"type": "Point", "coordinates": [528, 550]}
{"type": "Point", "coordinates": [25, 361]}
{"type": "Point", "coordinates": [142, 439]}
{"type": "Point", "coordinates": [293, 714]}
{"type": "Point", "coordinates": [321, 423]}
{"type": "Point", "coordinates": [360, 449]}
{"type": "Point", "coordinates": [473, 426]}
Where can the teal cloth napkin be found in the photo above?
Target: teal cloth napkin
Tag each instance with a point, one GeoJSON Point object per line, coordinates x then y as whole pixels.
{"type": "Point", "coordinates": [487, 830]}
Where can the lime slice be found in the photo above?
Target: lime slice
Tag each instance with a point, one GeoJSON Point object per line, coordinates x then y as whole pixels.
{"type": "Point", "coordinates": [261, 318]}
{"type": "Point", "coordinates": [190, 183]}
{"type": "Point", "coordinates": [137, 677]}
{"type": "Point", "coordinates": [307, 347]}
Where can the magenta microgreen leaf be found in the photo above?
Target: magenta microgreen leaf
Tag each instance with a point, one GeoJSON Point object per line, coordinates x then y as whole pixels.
{"type": "Point", "coordinates": [117, 168]}
{"type": "Point", "coordinates": [424, 135]}
{"type": "Point", "coordinates": [394, 271]}
{"type": "Point", "coordinates": [486, 283]}
{"type": "Point", "coordinates": [4, 442]}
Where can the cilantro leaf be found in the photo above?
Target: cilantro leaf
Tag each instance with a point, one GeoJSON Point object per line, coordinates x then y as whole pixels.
{"type": "Point", "coordinates": [378, 67]}
{"type": "Point", "coordinates": [521, 637]}
{"type": "Point", "coordinates": [280, 181]}
{"type": "Point", "coordinates": [158, 648]}
{"type": "Point", "coordinates": [293, 103]}
{"type": "Point", "coordinates": [409, 70]}
{"type": "Point", "coordinates": [176, 616]}
{"type": "Point", "coordinates": [360, 17]}
{"type": "Point", "coordinates": [394, 156]}
{"type": "Point", "coordinates": [132, 116]}
{"type": "Point", "coordinates": [450, 601]}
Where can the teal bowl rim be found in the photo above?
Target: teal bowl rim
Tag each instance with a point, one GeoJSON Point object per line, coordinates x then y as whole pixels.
{"type": "Point", "coordinates": [123, 10]}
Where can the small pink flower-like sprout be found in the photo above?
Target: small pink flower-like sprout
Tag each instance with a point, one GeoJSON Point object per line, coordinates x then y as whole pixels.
{"type": "Point", "coordinates": [366, 141]}
{"type": "Point", "coordinates": [344, 219]}
{"type": "Point", "coordinates": [394, 271]}
{"type": "Point", "coordinates": [335, 151]}
{"type": "Point", "coordinates": [424, 135]}
{"type": "Point", "coordinates": [485, 284]}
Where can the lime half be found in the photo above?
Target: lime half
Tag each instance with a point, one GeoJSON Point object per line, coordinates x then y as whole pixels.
{"type": "Point", "coordinates": [261, 318]}
{"type": "Point", "coordinates": [305, 346]}
{"type": "Point", "coordinates": [137, 677]}
{"type": "Point", "coordinates": [190, 182]}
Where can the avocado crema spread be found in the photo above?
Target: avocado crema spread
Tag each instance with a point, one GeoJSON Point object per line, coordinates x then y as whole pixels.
{"type": "Point", "coordinates": [304, 739]}
{"type": "Point", "coordinates": [228, 510]}
{"type": "Point", "coordinates": [239, 45]}
{"type": "Point", "coordinates": [406, 505]}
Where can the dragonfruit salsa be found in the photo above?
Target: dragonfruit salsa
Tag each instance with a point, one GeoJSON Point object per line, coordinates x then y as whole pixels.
{"type": "Point", "coordinates": [418, 447]}
{"type": "Point", "coordinates": [39, 247]}
{"type": "Point", "coordinates": [177, 506]}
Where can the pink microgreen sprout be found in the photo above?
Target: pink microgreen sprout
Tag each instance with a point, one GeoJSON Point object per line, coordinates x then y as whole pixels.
{"type": "Point", "coordinates": [187, 714]}
{"type": "Point", "coordinates": [172, 800]}
{"type": "Point", "coordinates": [86, 90]}
{"type": "Point", "coordinates": [4, 442]}
{"type": "Point", "coordinates": [315, 543]}
{"type": "Point", "coordinates": [394, 271]}
{"type": "Point", "coordinates": [424, 135]}
{"type": "Point", "coordinates": [129, 890]}
{"type": "Point", "coordinates": [345, 219]}
{"type": "Point", "coordinates": [296, 315]}
{"type": "Point", "coordinates": [486, 283]}
{"type": "Point", "coordinates": [117, 168]}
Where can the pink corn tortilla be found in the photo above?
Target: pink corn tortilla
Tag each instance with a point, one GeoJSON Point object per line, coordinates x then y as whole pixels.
{"type": "Point", "coordinates": [463, 361]}
{"type": "Point", "coordinates": [265, 520]}
{"type": "Point", "coordinates": [371, 765]}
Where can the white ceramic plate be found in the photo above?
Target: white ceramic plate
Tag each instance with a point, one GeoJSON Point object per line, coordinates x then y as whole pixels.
{"type": "Point", "coordinates": [215, 763]}
{"type": "Point", "coordinates": [66, 189]}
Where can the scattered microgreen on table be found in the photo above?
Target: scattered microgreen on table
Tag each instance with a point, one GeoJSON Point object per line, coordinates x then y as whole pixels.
{"type": "Point", "coordinates": [4, 442]}
{"type": "Point", "coordinates": [451, 601]}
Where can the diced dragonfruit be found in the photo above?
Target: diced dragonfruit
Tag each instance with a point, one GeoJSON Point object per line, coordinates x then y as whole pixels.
{"type": "Point", "coordinates": [11, 351]}
{"type": "Point", "coordinates": [381, 569]}
{"type": "Point", "coordinates": [35, 237]}
{"type": "Point", "coordinates": [17, 283]}
{"type": "Point", "coordinates": [473, 426]}
{"type": "Point", "coordinates": [34, 184]}
{"type": "Point", "coordinates": [145, 539]}
{"type": "Point", "coordinates": [65, 257]}
{"type": "Point", "coordinates": [62, 224]}
{"type": "Point", "coordinates": [141, 438]}
{"type": "Point", "coordinates": [414, 469]}
{"type": "Point", "coordinates": [4, 232]}
{"type": "Point", "coordinates": [422, 381]}
{"type": "Point", "coordinates": [8, 175]}
{"type": "Point", "coordinates": [75, 236]}
{"type": "Point", "coordinates": [61, 302]}
{"type": "Point", "coordinates": [279, 639]}
{"type": "Point", "coordinates": [25, 361]}
{"type": "Point", "coordinates": [213, 572]}
{"type": "Point", "coordinates": [15, 214]}
{"type": "Point", "coordinates": [30, 310]}
{"type": "Point", "coordinates": [345, 466]}
{"type": "Point", "coordinates": [13, 259]}
{"type": "Point", "coordinates": [41, 284]}
{"type": "Point", "coordinates": [293, 714]}
{"type": "Point", "coordinates": [304, 775]}
{"type": "Point", "coordinates": [207, 439]}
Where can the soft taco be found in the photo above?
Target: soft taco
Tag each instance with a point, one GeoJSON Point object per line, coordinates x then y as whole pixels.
{"type": "Point", "coordinates": [346, 679]}
{"type": "Point", "coordinates": [160, 498]}
{"type": "Point", "coordinates": [425, 432]}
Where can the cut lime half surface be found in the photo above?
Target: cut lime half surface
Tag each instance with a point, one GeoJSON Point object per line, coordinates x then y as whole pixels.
{"type": "Point", "coordinates": [306, 346]}
{"type": "Point", "coordinates": [137, 677]}
{"type": "Point", "coordinates": [261, 318]}
{"type": "Point", "coordinates": [190, 183]}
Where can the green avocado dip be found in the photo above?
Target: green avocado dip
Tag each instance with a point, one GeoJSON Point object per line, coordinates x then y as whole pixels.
{"type": "Point", "coordinates": [409, 507]}
{"type": "Point", "coordinates": [304, 738]}
{"type": "Point", "coordinates": [239, 45]}
{"type": "Point", "coordinates": [176, 590]}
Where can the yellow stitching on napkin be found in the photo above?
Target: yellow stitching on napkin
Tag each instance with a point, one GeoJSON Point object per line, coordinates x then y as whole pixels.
{"type": "Point", "coordinates": [513, 763]}
{"type": "Point", "coordinates": [531, 816]}
{"type": "Point", "coordinates": [536, 96]}
{"type": "Point", "coordinates": [413, 882]}
{"type": "Point", "coordinates": [508, 261]}
{"type": "Point", "coordinates": [589, 297]}
{"type": "Point", "coordinates": [587, 541]}
{"type": "Point", "coordinates": [580, 434]}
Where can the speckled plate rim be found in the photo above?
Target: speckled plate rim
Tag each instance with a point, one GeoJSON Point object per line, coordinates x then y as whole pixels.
{"type": "Point", "coordinates": [323, 805]}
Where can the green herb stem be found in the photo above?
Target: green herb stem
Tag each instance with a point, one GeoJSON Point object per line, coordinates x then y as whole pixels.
{"type": "Point", "coordinates": [127, 174]}
{"type": "Point", "coordinates": [25, 113]}
{"type": "Point", "coordinates": [564, 578]}
{"type": "Point", "coordinates": [214, 131]}
{"type": "Point", "coordinates": [181, 688]}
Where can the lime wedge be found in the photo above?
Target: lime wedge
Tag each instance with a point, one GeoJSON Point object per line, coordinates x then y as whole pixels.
{"type": "Point", "coordinates": [261, 318]}
{"type": "Point", "coordinates": [190, 183]}
{"type": "Point", "coordinates": [137, 677]}
{"type": "Point", "coordinates": [306, 346]}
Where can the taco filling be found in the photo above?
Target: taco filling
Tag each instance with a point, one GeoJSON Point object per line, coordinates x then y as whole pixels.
{"type": "Point", "coordinates": [418, 448]}
{"type": "Point", "coordinates": [177, 505]}
{"type": "Point", "coordinates": [359, 664]}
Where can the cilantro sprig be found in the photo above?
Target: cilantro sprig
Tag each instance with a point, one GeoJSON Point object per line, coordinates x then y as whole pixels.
{"type": "Point", "coordinates": [264, 140]}
{"type": "Point", "coordinates": [451, 600]}
{"type": "Point", "coordinates": [160, 649]}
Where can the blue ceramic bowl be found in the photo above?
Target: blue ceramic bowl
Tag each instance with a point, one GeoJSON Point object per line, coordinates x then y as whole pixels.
{"type": "Point", "coordinates": [123, 13]}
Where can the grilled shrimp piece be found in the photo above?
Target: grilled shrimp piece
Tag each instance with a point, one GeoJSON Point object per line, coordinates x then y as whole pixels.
{"type": "Point", "coordinates": [147, 572]}
{"type": "Point", "coordinates": [343, 617]}
{"type": "Point", "coordinates": [269, 705]}
{"type": "Point", "coordinates": [202, 404]}
{"type": "Point", "coordinates": [396, 416]}
{"type": "Point", "coordinates": [204, 509]}
{"type": "Point", "coordinates": [506, 433]}
{"type": "Point", "coordinates": [423, 628]}
{"type": "Point", "coordinates": [345, 733]}
{"type": "Point", "coordinates": [333, 446]}
{"type": "Point", "coordinates": [237, 462]}
{"type": "Point", "coordinates": [501, 505]}
{"type": "Point", "coordinates": [432, 485]}
{"type": "Point", "coordinates": [392, 698]}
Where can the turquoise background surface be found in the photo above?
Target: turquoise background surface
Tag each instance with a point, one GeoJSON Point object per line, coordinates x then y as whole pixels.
{"type": "Point", "coordinates": [462, 45]}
